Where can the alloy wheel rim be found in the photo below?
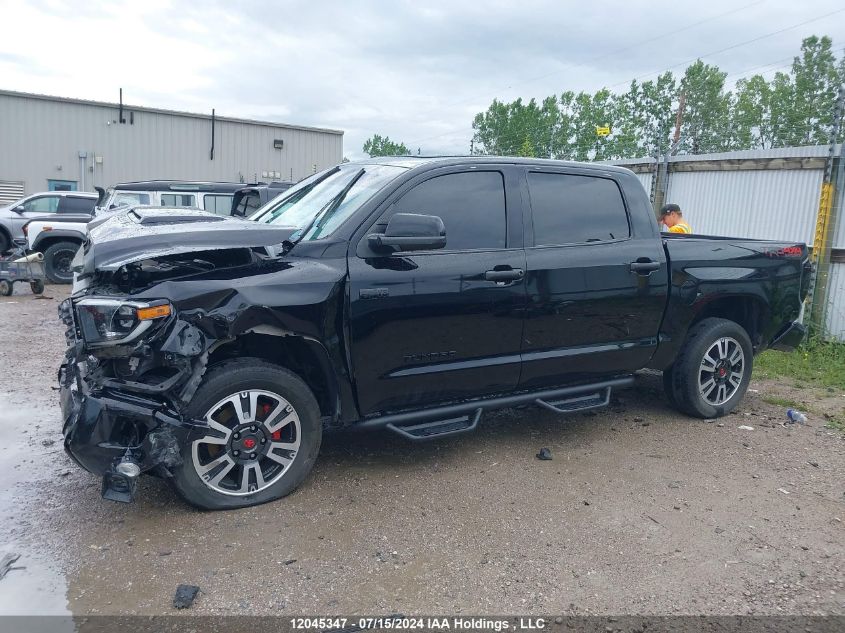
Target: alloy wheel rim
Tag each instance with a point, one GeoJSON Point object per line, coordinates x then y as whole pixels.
{"type": "Point", "coordinates": [252, 440]}
{"type": "Point", "coordinates": [721, 371]}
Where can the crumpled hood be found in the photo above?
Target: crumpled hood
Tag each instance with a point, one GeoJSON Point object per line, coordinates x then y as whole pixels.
{"type": "Point", "coordinates": [148, 232]}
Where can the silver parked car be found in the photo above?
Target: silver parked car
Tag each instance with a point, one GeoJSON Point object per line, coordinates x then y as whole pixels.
{"type": "Point", "coordinates": [14, 216]}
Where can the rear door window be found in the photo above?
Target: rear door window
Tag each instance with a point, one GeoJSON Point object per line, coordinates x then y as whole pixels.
{"type": "Point", "coordinates": [73, 204]}
{"type": "Point", "coordinates": [178, 200]}
{"type": "Point", "coordinates": [570, 209]}
{"type": "Point", "coordinates": [217, 203]}
{"type": "Point", "coordinates": [471, 205]}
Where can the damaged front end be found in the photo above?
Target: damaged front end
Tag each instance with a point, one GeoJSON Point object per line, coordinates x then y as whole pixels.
{"type": "Point", "coordinates": [133, 362]}
{"type": "Point", "coordinates": [123, 390]}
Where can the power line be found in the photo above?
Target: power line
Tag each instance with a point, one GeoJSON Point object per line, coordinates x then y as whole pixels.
{"type": "Point", "coordinates": [660, 72]}
{"type": "Point", "coordinates": [616, 51]}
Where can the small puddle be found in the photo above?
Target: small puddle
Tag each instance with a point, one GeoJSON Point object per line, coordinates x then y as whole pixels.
{"type": "Point", "coordinates": [40, 588]}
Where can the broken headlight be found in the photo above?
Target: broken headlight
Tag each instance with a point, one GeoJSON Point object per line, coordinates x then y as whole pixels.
{"type": "Point", "coordinates": [113, 322]}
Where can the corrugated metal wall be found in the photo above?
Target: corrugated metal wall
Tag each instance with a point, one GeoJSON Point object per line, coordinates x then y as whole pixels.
{"type": "Point", "coordinates": [835, 318]}
{"type": "Point", "coordinates": [41, 139]}
{"type": "Point", "coordinates": [777, 204]}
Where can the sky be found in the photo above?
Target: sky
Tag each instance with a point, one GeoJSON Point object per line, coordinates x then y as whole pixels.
{"type": "Point", "coordinates": [417, 72]}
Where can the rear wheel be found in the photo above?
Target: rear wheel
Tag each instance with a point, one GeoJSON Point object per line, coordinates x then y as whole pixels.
{"type": "Point", "coordinates": [712, 370]}
{"type": "Point", "coordinates": [263, 437]}
{"type": "Point", "coordinates": [5, 288]}
{"type": "Point", "coordinates": [57, 260]}
{"type": "Point", "coordinates": [37, 287]}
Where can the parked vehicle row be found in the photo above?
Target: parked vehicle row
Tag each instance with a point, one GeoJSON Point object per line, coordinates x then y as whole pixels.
{"type": "Point", "coordinates": [408, 294]}
{"type": "Point", "coordinates": [55, 223]}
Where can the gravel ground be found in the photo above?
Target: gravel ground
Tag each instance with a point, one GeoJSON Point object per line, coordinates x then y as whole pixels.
{"type": "Point", "coordinates": [641, 510]}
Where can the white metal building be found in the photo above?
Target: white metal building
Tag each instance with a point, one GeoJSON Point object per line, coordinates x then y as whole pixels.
{"type": "Point", "coordinates": [72, 144]}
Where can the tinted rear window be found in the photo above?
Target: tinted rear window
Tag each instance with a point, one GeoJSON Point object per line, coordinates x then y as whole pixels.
{"type": "Point", "coordinates": [70, 204]}
{"type": "Point", "coordinates": [571, 209]}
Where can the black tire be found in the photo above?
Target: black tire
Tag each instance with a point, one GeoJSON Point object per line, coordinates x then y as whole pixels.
{"type": "Point", "coordinates": [57, 259]}
{"type": "Point", "coordinates": [37, 287]}
{"type": "Point", "coordinates": [5, 288]}
{"type": "Point", "coordinates": [233, 377]}
{"type": "Point", "coordinates": [685, 379]}
{"type": "Point", "coordinates": [5, 242]}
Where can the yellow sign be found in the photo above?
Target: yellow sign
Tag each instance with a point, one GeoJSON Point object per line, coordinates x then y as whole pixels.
{"type": "Point", "coordinates": [603, 130]}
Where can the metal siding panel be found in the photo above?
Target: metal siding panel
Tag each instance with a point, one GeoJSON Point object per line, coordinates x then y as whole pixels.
{"type": "Point", "coordinates": [835, 318]}
{"type": "Point", "coordinates": [776, 205]}
{"type": "Point", "coordinates": [39, 135]}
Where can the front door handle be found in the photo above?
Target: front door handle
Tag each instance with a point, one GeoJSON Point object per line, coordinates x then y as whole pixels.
{"type": "Point", "coordinates": [508, 274]}
{"type": "Point", "coordinates": [644, 266]}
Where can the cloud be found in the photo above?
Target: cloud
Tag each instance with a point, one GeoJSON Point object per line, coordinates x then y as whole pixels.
{"type": "Point", "coordinates": [417, 72]}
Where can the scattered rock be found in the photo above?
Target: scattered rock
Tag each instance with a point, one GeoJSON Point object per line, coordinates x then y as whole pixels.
{"type": "Point", "coordinates": [185, 596]}
{"type": "Point", "coordinates": [47, 442]}
{"type": "Point", "coordinates": [721, 425]}
{"type": "Point", "coordinates": [745, 427]}
{"type": "Point", "coordinates": [814, 464]}
{"type": "Point", "coordinates": [544, 454]}
{"type": "Point", "coordinates": [290, 561]}
{"type": "Point", "coordinates": [719, 530]}
{"type": "Point", "coordinates": [166, 552]}
{"type": "Point", "coordinates": [675, 484]}
{"type": "Point", "coordinates": [586, 503]}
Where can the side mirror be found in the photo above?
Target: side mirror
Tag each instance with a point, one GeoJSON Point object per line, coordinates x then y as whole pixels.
{"type": "Point", "coordinates": [410, 232]}
{"type": "Point", "coordinates": [19, 209]}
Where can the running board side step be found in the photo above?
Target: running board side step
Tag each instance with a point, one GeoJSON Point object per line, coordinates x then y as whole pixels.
{"type": "Point", "coordinates": [438, 428]}
{"type": "Point", "coordinates": [595, 400]}
{"type": "Point", "coordinates": [452, 419]}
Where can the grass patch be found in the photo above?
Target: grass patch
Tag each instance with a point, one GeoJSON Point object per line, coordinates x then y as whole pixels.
{"type": "Point", "coordinates": [816, 362]}
{"type": "Point", "coordinates": [786, 403]}
{"type": "Point", "coordinates": [836, 424]}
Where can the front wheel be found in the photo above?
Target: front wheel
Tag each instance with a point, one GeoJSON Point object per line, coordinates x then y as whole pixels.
{"type": "Point", "coordinates": [712, 370]}
{"type": "Point", "coordinates": [264, 433]}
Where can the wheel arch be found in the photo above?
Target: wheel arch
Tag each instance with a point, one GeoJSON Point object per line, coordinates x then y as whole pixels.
{"type": "Point", "coordinates": [304, 356]}
{"type": "Point", "coordinates": [749, 311]}
{"type": "Point", "coordinates": [46, 239]}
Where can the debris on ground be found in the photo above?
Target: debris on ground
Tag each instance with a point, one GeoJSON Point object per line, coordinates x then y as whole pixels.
{"type": "Point", "coordinates": [185, 596]}
{"type": "Point", "coordinates": [786, 492]}
{"type": "Point", "coordinates": [47, 442]}
{"type": "Point", "coordinates": [6, 564]}
{"type": "Point", "coordinates": [544, 454]}
{"type": "Point", "coordinates": [795, 417]}
{"type": "Point", "coordinates": [814, 464]}
{"type": "Point", "coordinates": [290, 561]}
{"type": "Point", "coordinates": [745, 427]}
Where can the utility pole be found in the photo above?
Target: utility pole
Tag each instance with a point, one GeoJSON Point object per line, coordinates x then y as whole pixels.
{"type": "Point", "coordinates": [826, 223]}
{"type": "Point", "coordinates": [472, 147]}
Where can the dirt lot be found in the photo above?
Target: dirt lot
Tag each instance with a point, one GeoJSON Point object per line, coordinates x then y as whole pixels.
{"type": "Point", "coordinates": [641, 510]}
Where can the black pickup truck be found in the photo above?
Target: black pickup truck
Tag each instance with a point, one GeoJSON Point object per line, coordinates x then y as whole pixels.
{"type": "Point", "coordinates": [412, 294]}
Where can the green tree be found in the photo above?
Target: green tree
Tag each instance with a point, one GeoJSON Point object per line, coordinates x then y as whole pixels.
{"type": "Point", "coordinates": [752, 114]}
{"type": "Point", "coordinates": [526, 149]}
{"type": "Point", "coordinates": [706, 111]}
{"type": "Point", "coordinates": [816, 79]}
{"type": "Point", "coordinates": [382, 146]}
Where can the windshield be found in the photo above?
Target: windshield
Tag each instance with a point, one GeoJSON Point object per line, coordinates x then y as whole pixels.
{"type": "Point", "coordinates": [322, 202]}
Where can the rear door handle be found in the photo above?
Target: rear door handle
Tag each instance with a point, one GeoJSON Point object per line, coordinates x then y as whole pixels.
{"type": "Point", "coordinates": [508, 274]}
{"type": "Point", "coordinates": [644, 266]}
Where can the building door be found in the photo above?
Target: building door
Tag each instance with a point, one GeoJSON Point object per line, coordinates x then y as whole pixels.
{"type": "Point", "coordinates": [61, 185]}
